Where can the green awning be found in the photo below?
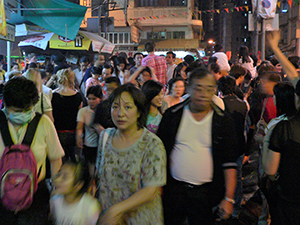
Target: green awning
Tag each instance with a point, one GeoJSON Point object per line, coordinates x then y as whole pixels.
{"type": "Point", "coordinates": [65, 21]}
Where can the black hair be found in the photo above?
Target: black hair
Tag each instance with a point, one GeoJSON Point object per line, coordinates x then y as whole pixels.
{"type": "Point", "coordinates": [173, 81]}
{"type": "Point", "coordinates": [285, 99]}
{"type": "Point", "coordinates": [226, 85]}
{"type": "Point", "coordinates": [81, 173]}
{"type": "Point", "coordinates": [138, 98]}
{"type": "Point", "coordinates": [295, 61]}
{"type": "Point", "coordinates": [199, 63]}
{"type": "Point", "coordinates": [131, 61]}
{"type": "Point", "coordinates": [244, 54]}
{"type": "Point", "coordinates": [150, 46]}
{"type": "Point", "coordinates": [113, 80]}
{"type": "Point", "coordinates": [57, 58]}
{"type": "Point", "coordinates": [108, 66]}
{"type": "Point", "coordinates": [199, 74]}
{"type": "Point", "coordinates": [274, 61]}
{"type": "Point", "coordinates": [189, 59]}
{"type": "Point", "coordinates": [147, 69]}
{"type": "Point", "coordinates": [96, 91]}
{"type": "Point", "coordinates": [237, 70]}
{"type": "Point", "coordinates": [171, 53]}
{"type": "Point", "coordinates": [212, 59]}
{"type": "Point", "coordinates": [214, 67]}
{"type": "Point", "coordinates": [121, 59]}
{"type": "Point", "coordinates": [137, 53]}
{"type": "Point", "coordinates": [151, 89]}
{"type": "Point", "coordinates": [178, 69]}
{"type": "Point", "coordinates": [218, 47]}
{"type": "Point", "coordinates": [33, 65]}
{"type": "Point", "coordinates": [20, 93]}
{"type": "Point", "coordinates": [84, 59]}
{"type": "Point", "coordinates": [96, 70]}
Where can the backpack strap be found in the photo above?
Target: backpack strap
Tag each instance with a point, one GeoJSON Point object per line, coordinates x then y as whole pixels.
{"type": "Point", "coordinates": [30, 132]}
{"type": "Point", "coordinates": [5, 130]}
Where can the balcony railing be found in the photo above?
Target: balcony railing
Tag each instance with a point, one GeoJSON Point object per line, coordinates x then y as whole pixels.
{"type": "Point", "coordinates": [118, 38]}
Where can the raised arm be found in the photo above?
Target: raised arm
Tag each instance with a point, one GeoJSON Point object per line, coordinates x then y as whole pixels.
{"type": "Point", "coordinates": [133, 76]}
{"type": "Point", "coordinates": [292, 74]}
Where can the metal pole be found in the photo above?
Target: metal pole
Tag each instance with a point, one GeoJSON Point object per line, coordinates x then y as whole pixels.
{"type": "Point", "coordinates": [125, 11]}
{"type": "Point", "coordinates": [8, 56]}
{"type": "Point", "coordinates": [99, 17]}
{"type": "Point", "coordinates": [255, 14]}
{"type": "Point", "coordinates": [263, 39]}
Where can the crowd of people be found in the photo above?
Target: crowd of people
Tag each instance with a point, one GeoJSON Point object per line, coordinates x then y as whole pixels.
{"type": "Point", "coordinates": [143, 140]}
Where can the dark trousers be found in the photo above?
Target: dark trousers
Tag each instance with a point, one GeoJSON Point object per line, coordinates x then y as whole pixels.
{"type": "Point", "coordinates": [68, 142]}
{"type": "Point", "coordinates": [185, 202]}
{"type": "Point", "coordinates": [37, 214]}
{"type": "Point", "coordinates": [90, 154]}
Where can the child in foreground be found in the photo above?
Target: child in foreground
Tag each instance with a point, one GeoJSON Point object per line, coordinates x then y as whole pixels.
{"type": "Point", "coordinates": [71, 203]}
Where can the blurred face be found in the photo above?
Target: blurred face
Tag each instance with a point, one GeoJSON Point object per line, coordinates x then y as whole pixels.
{"type": "Point", "coordinates": [64, 180]}
{"type": "Point", "coordinates": [109, 88]}
{"type": "Point", "coordinates": [106, 72]}
{"type": "Point", "coordinates": [83, 66]}
{"type": "Point", "coordinates": [157, 100]}
{"type": "Point", "coordinates": [278, 67]}
{"type": "Point", "coordinates": [124, 112]}
{"type": "Point", "coordinates": [145, 76]}
{"type": "Point", "coordinates": [138, 60]}
{"type": "Point", "coordinates": [121, 66]}
{"type": "Point", "coordinates": [93, 101]}
{"type": "Point", "coordinates": [178, 89]}
{"type": "Point", "coordinates": [96, 76]}
{"type": "Point", "coordinates": [202, 91]}
{"type": "Point", "coordinates": [101, 59]}
{"type": "Point", "coordinates": [169, 59]}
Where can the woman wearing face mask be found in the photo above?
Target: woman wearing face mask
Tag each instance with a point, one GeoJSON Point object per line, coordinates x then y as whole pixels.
{"type": "Point", "coordinates": [19, 96]}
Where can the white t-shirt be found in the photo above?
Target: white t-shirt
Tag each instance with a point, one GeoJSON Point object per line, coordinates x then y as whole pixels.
{"type": "Point", "coordinates": [86, 115]}
{"type": "Point", "coordinates": [46, 104]}
{"type": "Point", "coordinates": [191, 157]}
{"type": "Point", "coordinates": [84, 212]}
{"type": "Point", "coordinates": [223, 60]}
{"type": "Point", "coordinates": [47, 91]}
{"type": "Point", "coordinates": [249, 66]}
{"type": "Point", "coordinates": [45, 142]}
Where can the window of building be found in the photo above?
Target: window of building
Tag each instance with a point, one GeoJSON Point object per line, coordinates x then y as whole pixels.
{"type": "Point", "coordinates": [169, 35]}
{"type": "Point", "coordinates": [177, 2]}
{"type": "Point", "coordinates": [145, 3]}
{"type": "Point", "coordinates": [178, 35]}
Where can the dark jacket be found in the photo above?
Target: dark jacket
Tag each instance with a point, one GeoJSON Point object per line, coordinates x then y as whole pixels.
{"type": "Point", "coordinates": [224, 145]}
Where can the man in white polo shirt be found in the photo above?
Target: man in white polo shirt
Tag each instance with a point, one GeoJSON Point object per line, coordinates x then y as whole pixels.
{"type": "Point", "coordinates": [201, 149]}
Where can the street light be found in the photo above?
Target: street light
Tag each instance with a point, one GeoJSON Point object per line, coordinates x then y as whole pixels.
{"type": "Point", "coordinates": [210, 41]}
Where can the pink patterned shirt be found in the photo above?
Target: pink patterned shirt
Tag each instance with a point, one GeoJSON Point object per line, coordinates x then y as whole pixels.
{"type": "Point", "coordinates": [158, 63]}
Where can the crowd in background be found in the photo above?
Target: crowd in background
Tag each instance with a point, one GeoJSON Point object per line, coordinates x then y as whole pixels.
{"type": "Point", "coordinates": [108, 111]}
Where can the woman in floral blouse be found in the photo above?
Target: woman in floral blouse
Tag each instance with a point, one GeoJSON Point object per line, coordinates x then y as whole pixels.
{"type": "Point", "coordinates": [131, 164]}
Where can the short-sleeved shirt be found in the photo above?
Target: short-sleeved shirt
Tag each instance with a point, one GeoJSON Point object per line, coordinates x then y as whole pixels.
{"type": "Point", "coordinates": [153, 122]}
{"type": "Point", "coordinates": [86, 116]}
{"type": "Point", "coordinates": [45, 102]}
{"type": "Point", "coordinates": [126, 171]}
{"type": "Point", "coordinates": [84, 212]}
{"type": "Point", "coordinates": [285, 139]}
{"type": "Point", "coordinates": [45, 142]}
{"type": "Point", "coordinates": [158, 63]}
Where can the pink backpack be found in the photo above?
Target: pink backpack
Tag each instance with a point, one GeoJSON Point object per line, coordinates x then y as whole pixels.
{"type": "Point", "coordinates": [18, 168]}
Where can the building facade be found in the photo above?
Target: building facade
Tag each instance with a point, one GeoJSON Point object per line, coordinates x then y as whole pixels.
{"type": "Point", "coordinates": [167, 22]}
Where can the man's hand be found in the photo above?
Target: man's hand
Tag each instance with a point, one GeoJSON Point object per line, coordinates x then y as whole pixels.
{"type": "Point", "coordinates": [225, 209]}
{"type": "Point", "coordinates": [273, 39]}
